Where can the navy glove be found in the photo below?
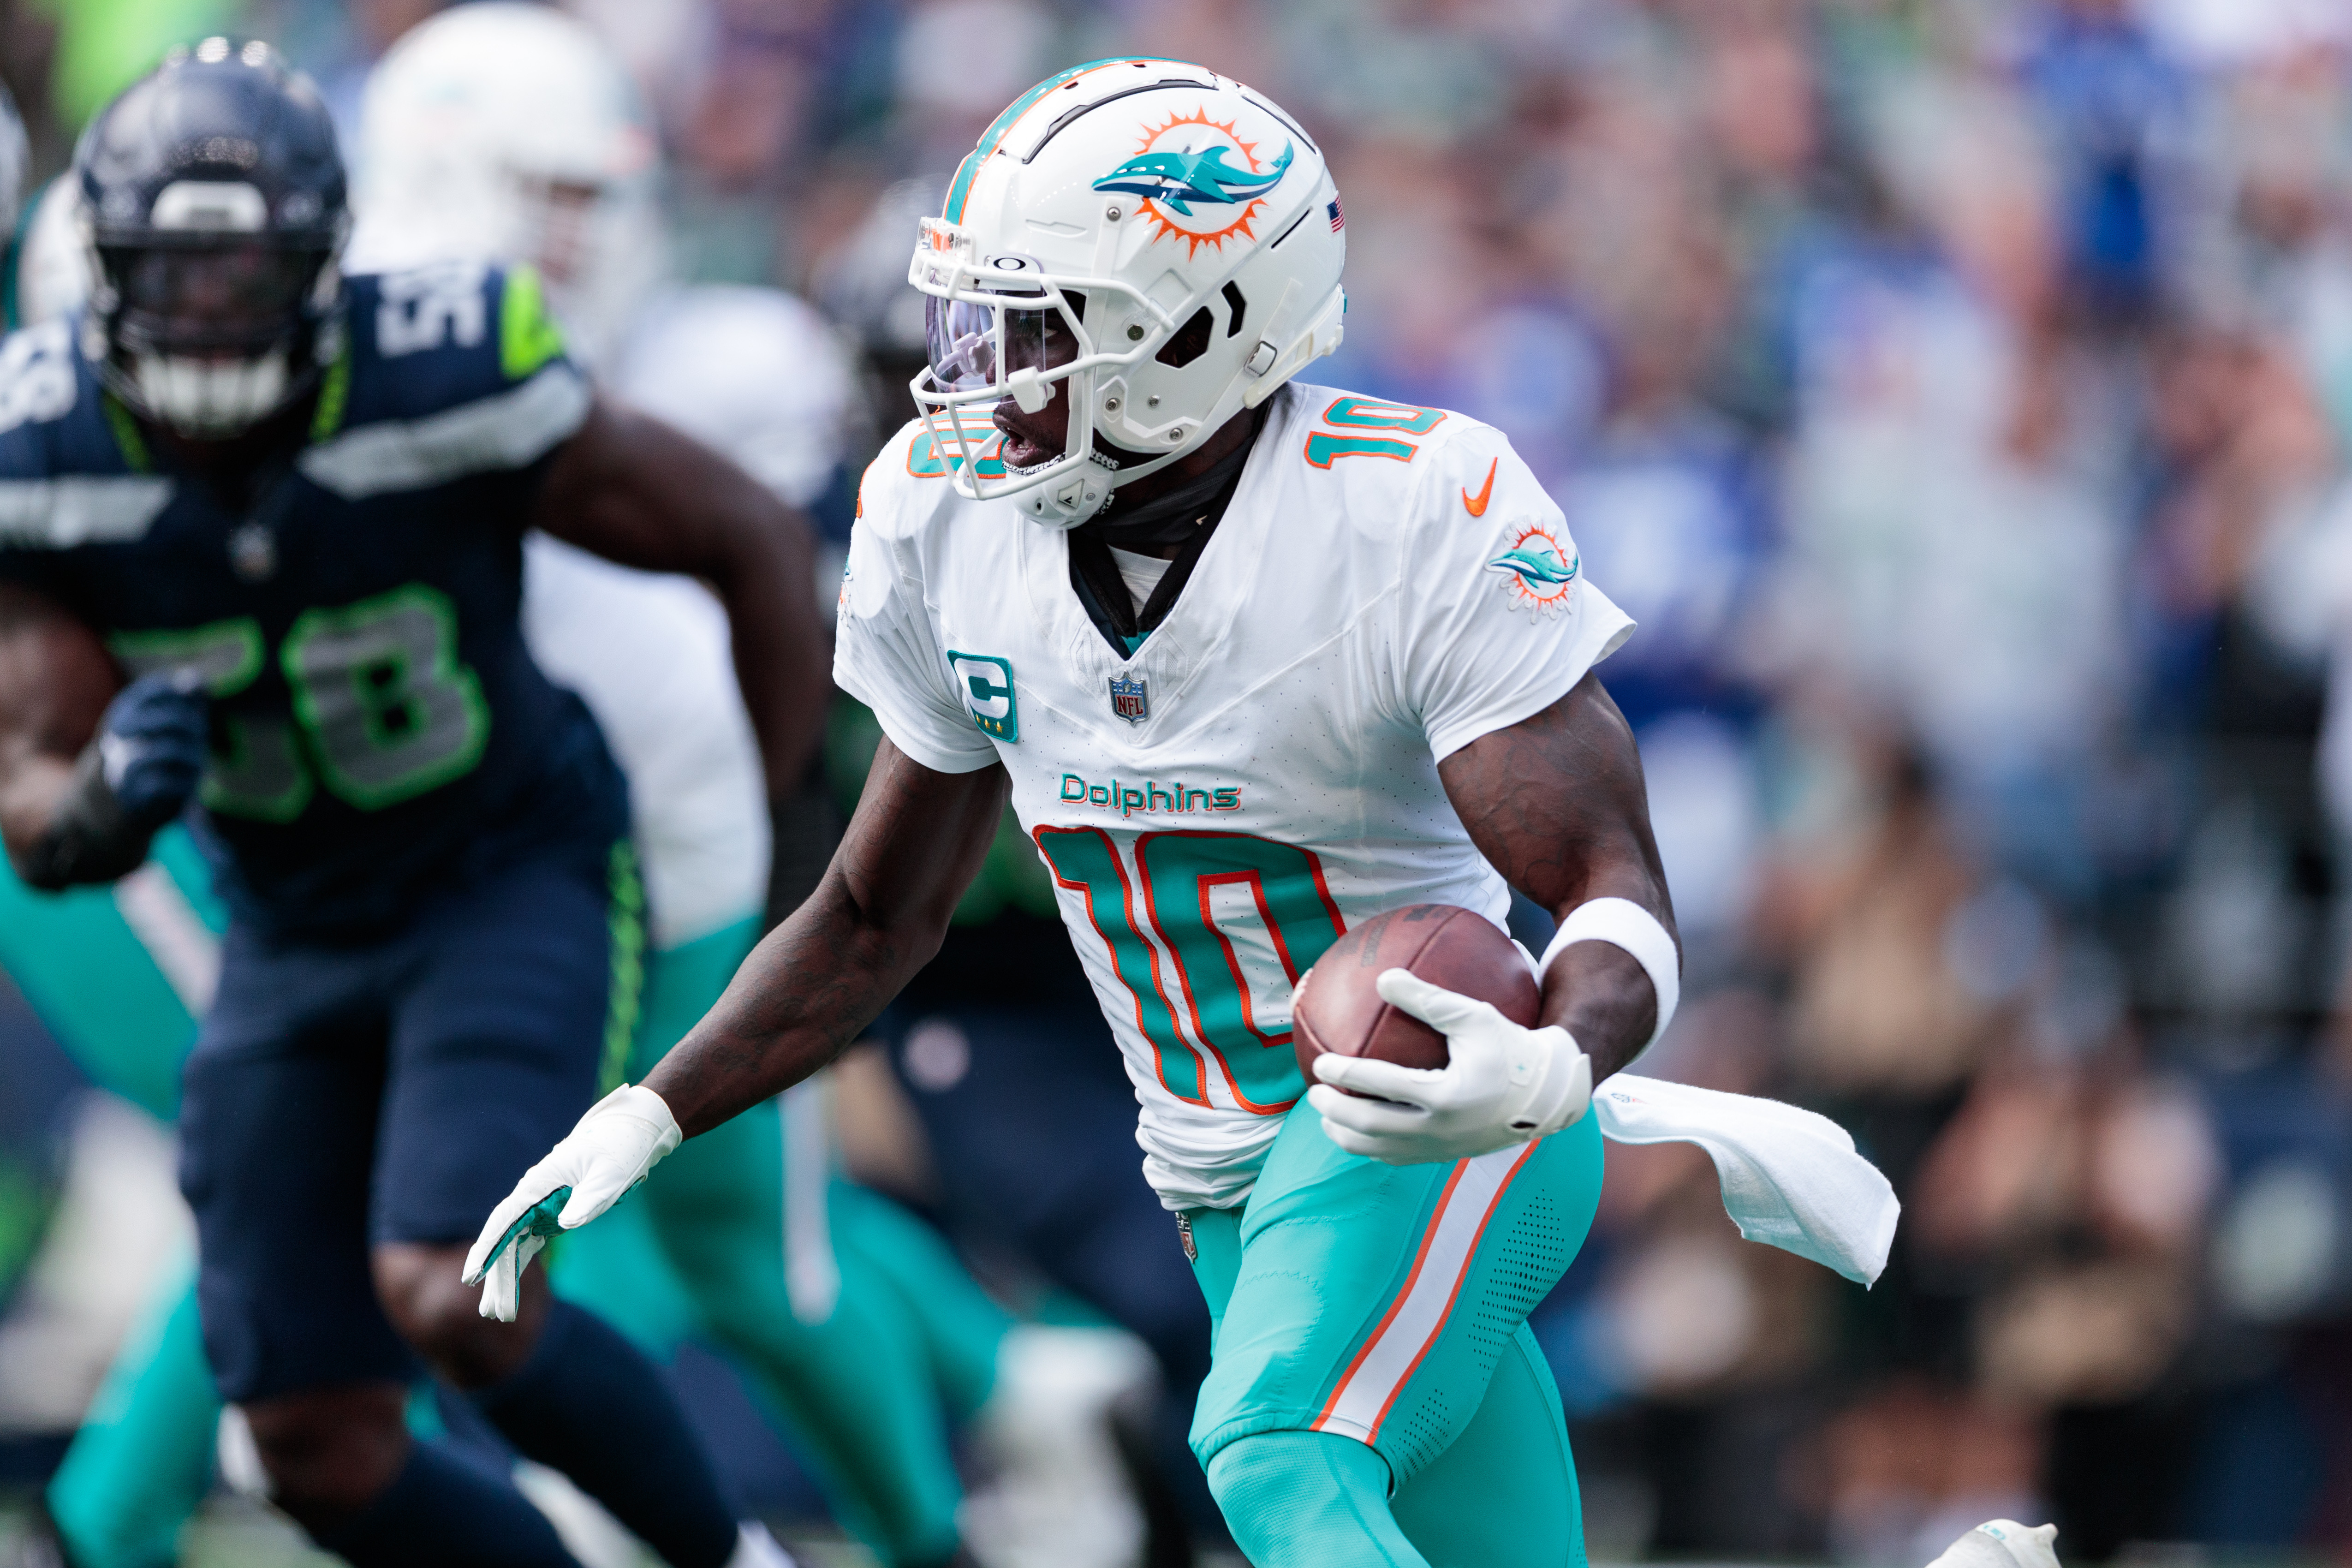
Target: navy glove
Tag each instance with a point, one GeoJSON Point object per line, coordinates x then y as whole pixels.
{"type": "Point", "coordinates": [135, 776]}
{"type": "Point", "coordinates": [153, 745]}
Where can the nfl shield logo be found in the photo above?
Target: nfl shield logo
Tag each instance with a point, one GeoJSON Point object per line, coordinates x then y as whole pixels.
{"type": "Point", "coordinates": [1130, 700]}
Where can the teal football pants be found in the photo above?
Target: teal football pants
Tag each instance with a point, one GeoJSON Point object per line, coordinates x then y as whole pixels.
{"type": "Point", "coordinates": [143, 1460]}
{"type": "Point", "coordinates": [854, 1318]}
{"type": "Point", "coordinates": [1374, 1395]}
{"type": "Point", "coordinates": [117, 975]}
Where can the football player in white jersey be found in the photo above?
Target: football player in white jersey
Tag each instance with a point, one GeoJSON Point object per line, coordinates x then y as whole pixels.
{"type": "Point", "coordinates": [1225, 769]}
{"type": "Point", "coordinates": [1254, 661]}
{"type": "Point", "coordinates": [511, 131]}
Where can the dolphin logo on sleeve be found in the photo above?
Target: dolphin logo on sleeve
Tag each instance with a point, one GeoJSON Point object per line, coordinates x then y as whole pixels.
{"type": "Point", "coordinates": [1536, 564]}
{"type": "Point", "coordinates": [1538, 575]}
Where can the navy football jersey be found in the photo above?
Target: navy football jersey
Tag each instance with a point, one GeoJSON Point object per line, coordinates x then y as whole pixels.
{"type": "Point", "coordinates": [378, 727]}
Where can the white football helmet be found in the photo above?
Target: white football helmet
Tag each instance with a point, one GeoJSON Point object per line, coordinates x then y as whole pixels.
{"type": "Point", "coordinates": [1158, 242]}
{"type": "Point", "coordinates": [52, 261]}
{"type": "Point", "coordinates": [16, 158]}
{"type": "Point", "coordinates": [511, 133]}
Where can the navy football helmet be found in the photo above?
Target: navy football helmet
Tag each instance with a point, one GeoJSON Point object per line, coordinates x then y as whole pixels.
{"type": "Point", "coordinates": [214, 213]}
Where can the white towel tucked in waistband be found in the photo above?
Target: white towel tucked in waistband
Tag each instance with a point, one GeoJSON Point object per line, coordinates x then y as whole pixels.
{"type": "Point", "coordinates": [1790, 1178]}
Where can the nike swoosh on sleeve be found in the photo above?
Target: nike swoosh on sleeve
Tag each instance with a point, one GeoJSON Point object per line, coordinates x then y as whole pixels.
{"type": "Point", "coordinates": [1477, 504]}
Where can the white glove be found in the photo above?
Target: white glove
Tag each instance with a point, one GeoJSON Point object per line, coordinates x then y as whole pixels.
{"type": "Point", "coordinates": [1502, 1084]}
{"type": "Point", "coordinates": [609, 1152]}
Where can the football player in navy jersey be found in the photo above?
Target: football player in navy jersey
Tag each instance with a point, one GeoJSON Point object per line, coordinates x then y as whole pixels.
{"type": "Point", "coordinates": [289, 506]}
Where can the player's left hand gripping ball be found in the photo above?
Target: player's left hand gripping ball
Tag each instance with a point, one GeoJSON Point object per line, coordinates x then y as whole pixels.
{"type": "Point", "coordinates": [1502, 1084]}
{"type": "Point", "coordinates": [611, 1150]}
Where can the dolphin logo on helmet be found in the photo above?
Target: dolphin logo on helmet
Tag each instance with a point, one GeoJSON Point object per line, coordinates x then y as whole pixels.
{"type": "Point", "coordinates": [1179, 179]}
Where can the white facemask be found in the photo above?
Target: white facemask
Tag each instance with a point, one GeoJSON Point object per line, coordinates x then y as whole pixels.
{"type": "Point", "coordinates": [210, 397]}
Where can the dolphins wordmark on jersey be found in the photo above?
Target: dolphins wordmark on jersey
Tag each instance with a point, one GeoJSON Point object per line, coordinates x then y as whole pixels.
{"type": "Point", "coordinates": [377, 721]}
{"type": "Point", "coordinates": [1388, 583]}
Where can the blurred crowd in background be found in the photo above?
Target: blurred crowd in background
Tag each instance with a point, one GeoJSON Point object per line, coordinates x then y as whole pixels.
{"type": "Point", "coordinates": [1959, 395]}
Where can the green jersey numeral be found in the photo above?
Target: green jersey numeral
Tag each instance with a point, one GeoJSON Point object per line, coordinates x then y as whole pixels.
{"type": "Point", "coordinates": [1181, 873]}
{"type": "Point", "coordinates": [378, 687]}
{"type": "Point", "coordinates": [383, 709]}
{"type": "Point", "coordinates": [257, 766]}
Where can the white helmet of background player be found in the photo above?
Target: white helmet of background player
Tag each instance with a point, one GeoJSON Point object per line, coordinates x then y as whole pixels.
{"type": "Point", "coordinates": [1156, 242]}
{"type": "Point", "coordinates": [52, 263]}
{"type": "Point", "coordinates": [16, 157]}
{"type": "Point", "coordinates": [511, 133]}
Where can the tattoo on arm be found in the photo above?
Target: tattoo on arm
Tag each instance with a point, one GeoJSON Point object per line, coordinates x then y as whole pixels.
{"type": "Point", "coordinates": [811, 988]}
{"type": "Point", "coordinates": [1555, 804]}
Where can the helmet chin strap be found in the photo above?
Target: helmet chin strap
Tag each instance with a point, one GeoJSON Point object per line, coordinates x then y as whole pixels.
{"type": "Point", "coordinates": [1066, 502]}
{"type": "Point", "coordinates": [1079, 497]}
{"type": "Point", "coordinates": [1171, 517]}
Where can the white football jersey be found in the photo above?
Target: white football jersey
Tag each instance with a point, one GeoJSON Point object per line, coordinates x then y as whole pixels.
{"type": "Point", "coordinates": [1387, 585]}
{"type": "Point", "coordinates": [650, 655]}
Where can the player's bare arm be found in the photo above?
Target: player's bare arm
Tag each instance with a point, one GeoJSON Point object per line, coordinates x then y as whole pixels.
{"type": "Point", "coordinates": [633, 490]}
{"type": "Point", "coordinates": [1555, 804]}
{"type": "Point", "coordinates": [877, 916]}
{"type": "Point", "coordinates": [880, 914]}
{"type": "Point", "coordinates": [85, 782]}
{"type": "Point", "coordinates": [50, 692]}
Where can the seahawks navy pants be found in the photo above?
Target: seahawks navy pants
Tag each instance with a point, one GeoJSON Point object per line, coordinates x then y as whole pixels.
{"type": "Point", "coordinates": [343, 1096]}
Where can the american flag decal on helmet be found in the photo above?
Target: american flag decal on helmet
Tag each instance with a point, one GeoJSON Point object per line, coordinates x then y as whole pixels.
{"type": "Point", "coordinates": [1337, 219]}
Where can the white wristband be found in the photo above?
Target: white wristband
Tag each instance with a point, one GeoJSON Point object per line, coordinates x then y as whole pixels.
{"type": "Point", "coordinates": [1623, 923]}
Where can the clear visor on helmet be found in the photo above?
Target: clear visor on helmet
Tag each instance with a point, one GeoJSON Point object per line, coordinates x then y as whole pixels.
{"type": "Point", "coordinates": [233, 300]}
{"type": "Point", "coordinates": [973, 346]}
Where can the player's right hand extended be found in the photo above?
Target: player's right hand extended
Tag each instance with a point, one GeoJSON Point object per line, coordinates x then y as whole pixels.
{"type": "Point", "coordinates": [153, 744]}
{"type": "Point", "coordinates": [611, 1150]}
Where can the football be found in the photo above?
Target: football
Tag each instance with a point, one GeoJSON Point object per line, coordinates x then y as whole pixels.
{"type": "Point", "coordinates": [1339, 1010]}
{"type": "Point", "coordinates": [78, 677]}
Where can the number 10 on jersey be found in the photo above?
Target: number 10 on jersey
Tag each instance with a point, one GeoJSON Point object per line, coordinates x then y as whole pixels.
{"type": "Point", "coordinates": [1272, 897]}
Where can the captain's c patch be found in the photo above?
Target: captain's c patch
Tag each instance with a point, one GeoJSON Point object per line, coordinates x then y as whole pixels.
{"type": "Point", "coordinates": [985, 682]}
